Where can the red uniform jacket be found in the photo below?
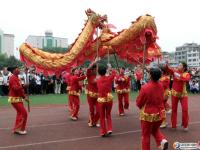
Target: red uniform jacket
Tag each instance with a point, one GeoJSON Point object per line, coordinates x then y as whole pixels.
{"type": "Point", "coordinates": [74, 82]}
{"type": "Point", "coordinates": [138, 75]}
{"type": "Point", "coordinates": [16, 90]}
{"type": "Point", "coordinates": [91, 77]}
{"type": "Point", "coordinates": [150, 101]}
{"type": "Point", "coordinates": [179, 84]}
{"type": "Point", "coordinates": [122, 82]}
{"type": "Point", "coordinates": [104, 84]}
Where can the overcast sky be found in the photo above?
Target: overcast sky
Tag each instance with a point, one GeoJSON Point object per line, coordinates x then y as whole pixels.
{"type": "Point", "coordinates": [178, 21]}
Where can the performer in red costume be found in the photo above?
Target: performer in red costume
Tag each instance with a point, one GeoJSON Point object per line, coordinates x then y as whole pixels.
{"type": "Point", "coordinates": [152, 113]}
{"type": "Point", "coordinates": [74, 93]}
{"type": "Point", "coordinates": [122, 90]}
{"type": "Point", "coordinates": [104, 85]}
{"type": "Point", "coordinates": [138, 77]}
{"type": "Point", "coordinates": [67, 81]}
{"type": "Point", "coordinates": [179, 93]}
{"type": "Point", "coordinates": [92, 95]}
{"type": "Point", "coordinates": [15, 97]}
{"type": "Point", "coordinates": [165, 81]}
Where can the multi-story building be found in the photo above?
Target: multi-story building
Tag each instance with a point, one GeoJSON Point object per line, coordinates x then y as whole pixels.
{"type": "Point", "coordinates": [166, 56]}
{"type": "Point", "coordinates": [47, 41]}
{"type": "Point", "coordinates": [6, 43]}
{"type": "Point", "coordinates": [170, 57]}
{"type": "Point", "coordinates": [190, 53]}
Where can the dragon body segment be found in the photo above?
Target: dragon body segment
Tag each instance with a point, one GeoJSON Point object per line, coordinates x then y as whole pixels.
{"type": "Point", "coordinates": [129, 44]}
{"type": "Point", "coordinates": [59, 62]}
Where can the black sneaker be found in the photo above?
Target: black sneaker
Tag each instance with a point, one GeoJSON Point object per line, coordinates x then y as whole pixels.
{"type": "Point", "coordinates": [103, 135]}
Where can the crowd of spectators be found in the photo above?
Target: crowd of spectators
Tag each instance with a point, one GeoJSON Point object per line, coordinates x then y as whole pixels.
{"type": "Point", "coordinates": [35, 83]}
{"type": "Point", "coordinates": [195, 80]}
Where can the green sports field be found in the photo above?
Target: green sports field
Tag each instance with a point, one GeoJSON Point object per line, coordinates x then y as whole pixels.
{"type": "Point", "coordinates": [54, 99]}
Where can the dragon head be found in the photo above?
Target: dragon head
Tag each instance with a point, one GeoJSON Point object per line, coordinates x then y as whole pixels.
{"type": "Point", "coordinates": [96, 19]}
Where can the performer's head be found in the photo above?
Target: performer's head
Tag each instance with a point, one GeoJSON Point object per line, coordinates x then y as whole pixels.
{"type": "Point", "coordinates": [162, 67]}
{"type": "Point", "coordinates": [182, 66]}
{"type": "Point", "coordinates": [155, 74]}
{"type": "Point", "coordinates": [102, 69]}
{"type": "Point", "coordinates": [94, 67]}
{"type": "Point", "coordinates": [14, 70]}
{"type": "Point", "coordinates": [122, 70]}
{"type": "Point", "coordinates": [26, 69]}
{"type": "Point", "coordinates": [75, 71]}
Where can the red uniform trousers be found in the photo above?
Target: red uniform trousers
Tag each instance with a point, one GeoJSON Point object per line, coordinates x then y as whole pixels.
{"type": "Point", "coordinates": [93, 108]}
{"type": "Point", "coordinates": [121, 105]}
{"type": "Point", "coordinates": [184, 106]}
{"type": "Point", "coordinates": [21, 117]}
{"type": "Point", "coordinates": [70, 105]}
{"type": "Point", "coordinates": [74, 105]}
{"type": "Point", "coordinates": [105, 115]}
{"type": "Point", "coordinates": [149, 128]}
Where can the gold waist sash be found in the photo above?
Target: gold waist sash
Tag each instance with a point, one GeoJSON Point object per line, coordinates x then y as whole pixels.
{"type": "Point", "coordinates": [105, 99]}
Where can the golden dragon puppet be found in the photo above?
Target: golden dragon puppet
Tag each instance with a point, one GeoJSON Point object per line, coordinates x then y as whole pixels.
{"type": "Point", "coordinates": [52, 63]}
{"type": "Point", "coordinates": [129, 44]}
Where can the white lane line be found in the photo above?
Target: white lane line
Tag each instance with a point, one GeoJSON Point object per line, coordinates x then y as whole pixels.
{"type": "Point", "coordinates": [68, 122]}
{"type": "Point", "coordinates": [74, 139]}
{"type": "Point", "coordinates": [64, 140]}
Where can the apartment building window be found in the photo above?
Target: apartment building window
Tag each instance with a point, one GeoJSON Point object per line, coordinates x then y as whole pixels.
{"type": "Point", "coordinates": [189, 55]}
{"type": "Point", "coordinates": [194, 59]}
{"type": "Point", "coordinates": [194, 54]}
{"type": "Point", "coordinates": [189, 60]}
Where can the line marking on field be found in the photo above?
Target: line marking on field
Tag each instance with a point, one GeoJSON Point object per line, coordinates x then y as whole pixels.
{"type": "Point", "coordinates": [68, 122]}
{"type": "Point", "coordinates": [64, 140]}
{"type": "Point", "coordinates": [74, 139]}
{"type": "Point", "coordinates": [81, 121]}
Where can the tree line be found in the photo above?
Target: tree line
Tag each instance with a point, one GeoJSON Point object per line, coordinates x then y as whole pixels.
{"type": "Point", "coordinates": [11, 61]}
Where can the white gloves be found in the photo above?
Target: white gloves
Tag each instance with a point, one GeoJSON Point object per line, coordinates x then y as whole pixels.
{"type": "Point", "coordinates": [177, 75]}
{"type": "Point", "coordinates": [109, 65]}
{"type": "Point", "coordinates": [97, 59]}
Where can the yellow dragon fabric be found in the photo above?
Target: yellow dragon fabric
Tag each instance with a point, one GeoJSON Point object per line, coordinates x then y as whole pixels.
{"type": "Point", "coordinates": [127, 44]}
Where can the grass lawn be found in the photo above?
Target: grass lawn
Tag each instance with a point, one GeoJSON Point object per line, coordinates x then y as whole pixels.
{"type": "Point", "coordinates": [54, 99]}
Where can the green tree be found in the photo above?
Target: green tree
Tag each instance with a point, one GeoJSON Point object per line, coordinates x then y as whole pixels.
{"type": "Point", "coordinates": [3, 59]}
{"type": "Point", "coordinates": [9, 61]}
{"type": "Point", "coordinates": [12, 61]}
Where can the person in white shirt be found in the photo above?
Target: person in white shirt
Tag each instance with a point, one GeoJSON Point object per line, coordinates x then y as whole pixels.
{"type": "Point", "coordinates": [38, 84]}
{"type": "Point", "coordinates": [57, 87]}
{"type": "Point", "coordinates": [194, 87]}
{"type": "Point", "coordinates": [1, 84]}
{"type": "Point", "coordinates": [6, 75]}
